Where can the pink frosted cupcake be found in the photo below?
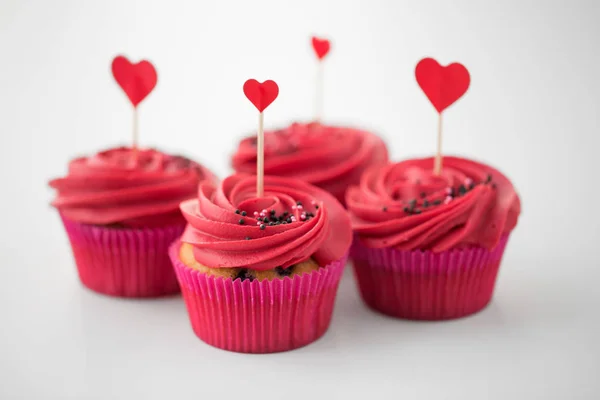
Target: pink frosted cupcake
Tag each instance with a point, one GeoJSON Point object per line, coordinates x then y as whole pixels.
{"type": "Point", "coordinates": [260, 275]}
{"type": "Point", "coordinates": [121, 212]}
{"type": "Point", "coordinates": [429, 247]}
{"type": "Point", "coordinates": [329, 157]}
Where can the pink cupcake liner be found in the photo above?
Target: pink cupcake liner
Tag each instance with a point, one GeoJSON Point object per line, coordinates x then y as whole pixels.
{"type": "Point", "coordinates": [124, 262]}
{"type": "Point", "coordinates": [259, 317]}
{"type": "Point", "coordinates": [423, 285]}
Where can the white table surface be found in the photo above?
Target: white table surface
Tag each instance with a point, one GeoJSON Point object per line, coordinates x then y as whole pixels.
{"type": "Point", "coordinates": [532, 110]}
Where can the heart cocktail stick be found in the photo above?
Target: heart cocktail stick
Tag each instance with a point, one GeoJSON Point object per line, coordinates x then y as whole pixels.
{"type": "Point", "coordinates": [261, 95]}
{"type": "Point", "coordinates": [321, 48]}
{"type": "Point", "coordinates": [442, 86]}
{"type": "Point", "coordinates": [137, 81]}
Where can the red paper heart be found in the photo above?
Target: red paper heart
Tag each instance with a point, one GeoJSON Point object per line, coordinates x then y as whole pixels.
{"type": "Point", "coordinates": [442, 85]}
{"type": "Point", "coordinates": [261, 94]}
{"type": "Point", "coordinates": [136, 80]}
{"type": "Point", "coordinates": [321, 46]}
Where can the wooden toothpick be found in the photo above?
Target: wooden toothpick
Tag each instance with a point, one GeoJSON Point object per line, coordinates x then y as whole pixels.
{"type": "Point", "coordinates": [134, 144]}
{"type": "Point", "coordinates": [437, 168]}
{"type": "Point", "coordinates": [319, 92]}
{"type": "Point", "coordinates": [260, 157]}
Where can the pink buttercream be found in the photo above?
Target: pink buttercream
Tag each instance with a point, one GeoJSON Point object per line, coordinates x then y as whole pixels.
{"type": "Point", "coordinates": [118, 187]}
{"type": "Point", "coordinates": [383, 215]}
{"type": "Point", "coordinates": [329, 157]}
{"type": "Point", "coordinates": [220, 240]}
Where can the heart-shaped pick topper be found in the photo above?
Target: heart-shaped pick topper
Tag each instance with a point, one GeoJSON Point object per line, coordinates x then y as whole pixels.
{"type": "Point", "coordinates": [261, 94]}
{"type": "Point", "coordinates": [321, 46]}
{"type": "Point", "coordinates": [136, 80]}
{"type": "Point", "coordinates": [442, 85]}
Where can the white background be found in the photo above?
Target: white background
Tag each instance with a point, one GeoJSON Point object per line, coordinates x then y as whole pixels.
{"type": "Point", "coordinates": [532, 111]}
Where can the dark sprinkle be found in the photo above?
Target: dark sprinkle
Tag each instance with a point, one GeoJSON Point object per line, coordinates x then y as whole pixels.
{"type": "Point", "coordinates": [316, 207]}
{"type": "Point", "coordinates": [262, 227]}
{"type": "Point", "coordinates": [471, 185]}
{"type": "Point", "coordinates": [259, 219]}
{"type": "Point", "coordinates": [284, 271]}
{"type": "Point", "coordinates": [237, 211]}
{"type": "Point", "coordinates": [244, 213]}
{"type": "Point", "coordinates": [298, 203]}
{"type": "Point", "coordinates": [423, 195]}
{"type": "Point", "coordinates": [384, 208]}
{"type": "Point", "coordinates": [286, 213]}
{"type": "Point", "coordinates": [493, 186]}
{"type": "Point", "coordinates": [416, 211]}
{"type": "Point", "coordinates": [425, 203]}
{"type": "Point", "coordinates": [247, 237]}
{"type": "Point", "coordinates": [437, 202]}
{"type": "Point", "coordinates": [462, 190]}
{"type": "Point", "coordinates": [488, 179]}
{"type": "Point", "coordinates": [406, 209]}
{"type": "Point", "coordinates": [244, 274]}
{"type": "Point", "coordinates": [289, 220]}
{"type": "Point", "coordinates": [412, 203]}
{"type": "Point", "coordinates": [284, 223]}
{"type": "Point", "coordinates": [241, 221]}
{"type": "Point", "coordinates": [272, 212]}
{"type": "Point", "coordinates": [452, 193]}
{"type": "Point", "coordinates": [266, 219]}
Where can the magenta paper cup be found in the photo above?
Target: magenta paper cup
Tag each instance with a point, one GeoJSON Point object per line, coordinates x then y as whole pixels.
{"type": "Point", "coordinates": [422, 285]}
{"type": "Point", "coordinates": [124, 262]}
{"type": "Point", "coordinates": [259, 316]}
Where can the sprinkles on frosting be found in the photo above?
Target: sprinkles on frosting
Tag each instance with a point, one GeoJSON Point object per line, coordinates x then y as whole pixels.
{"type": "Point", "coordinates": [416, 206]}
{"type": "Point", "coordinates": [267, 218]}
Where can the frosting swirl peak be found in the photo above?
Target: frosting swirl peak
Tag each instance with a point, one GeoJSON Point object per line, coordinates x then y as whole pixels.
{"type": "Point", "coordinates": [326, 156]}
{"type": "Point", "coordinates": [405, 206]}
{"type": "Point", "coordinates": [229, 226]}
{"type": "Point", "coordinates": [117, 186]}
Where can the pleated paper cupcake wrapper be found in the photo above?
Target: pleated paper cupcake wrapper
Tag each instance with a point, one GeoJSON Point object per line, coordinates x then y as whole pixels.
{"type": "Point", "coordinates": [424, 285]}
{"type": "Point", "coordinates": [124, 262]}
{"type": "Point", "coordinates": [259, 317]}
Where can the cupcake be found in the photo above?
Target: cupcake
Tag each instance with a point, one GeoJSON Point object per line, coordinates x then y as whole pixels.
{"type": "Point", "coordinates": [429, 247]}
{"type": "Point", "coordinates": [260, 275]}
{"type": "Point", "coordinates": [329, 157]}
{"type": "Point", "coordinates": [120, 209]}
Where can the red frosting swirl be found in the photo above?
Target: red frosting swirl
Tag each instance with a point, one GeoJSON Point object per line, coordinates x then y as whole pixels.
{"type": "Point", "coordinates": [118, 187]}
{"type": "Point", "coordinates": [329, 157]}
{"type": "Point", "coordinates": [226, 232]}
{"type": "Point", "coordinates": [405, 206]}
